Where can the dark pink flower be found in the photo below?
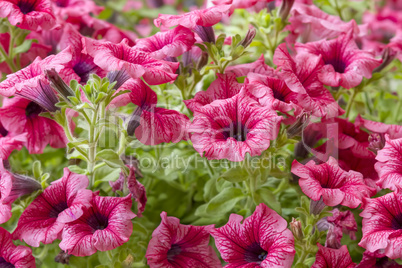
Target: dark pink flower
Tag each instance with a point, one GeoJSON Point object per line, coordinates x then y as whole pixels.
{"type": "Point", "coordinates": [153, 125]}
{"type": "Point", "coordinates": [376, 260]}
{"type": "Point", "coordinates": [14, 256]}
{"type": "Point", "coordinates": [311, 24]}
{"type": "Point", "coordinates": [225, 86]}
{"type": "Point", "coordinates": [335, 185]}
{"type": "Point", "coordinates": [272, 92]}
{"type": "Point", "coordinates": [172, 43]}
{"type": "Point", "coordinates": [62, 202]}
{"type": "Point", "coordinates": [66, 8]}
{"type": "Point", "coordinates": [394, 131]}
{"type": "Point", "coordinates": [104, 226]}
{"type": "Point", "coordinates": [6, 183]}
{"type": "Point", "coordinates": [262, 240]}
{"type": "Point", "coordinates": [30, 75]}
{"type": "Point", "coordinates": [382, 224]}
{"type": "Point", "coordinates": [10, 142]}
{"type": "Point", "coordinates": [258, 67]}
{"type": "Point", "coordinates": [136, 189]}
{"type": "Point", "coordinates": [114, 57]}
{"type": "Point", "coordinates": [333, 258]}
{"type": "Point", "coordinates": [301, 76]}
{"type": "Point", "coordinates": [242, 4]}
{"type": "Point", "coordinates": [22, 116]}
{"type": "Point", "coordinates": [389, 165]}
{"type": "Point", "coordinates": [205, 17]}
{"type": "Point", "coordinates": [230, 128]}
{"type": "Point", "coordinates": [28, 14]}
{"type": "Point", "coordinates": [177, 245]}
{"type": "Point", "coordinates": [344, 63]}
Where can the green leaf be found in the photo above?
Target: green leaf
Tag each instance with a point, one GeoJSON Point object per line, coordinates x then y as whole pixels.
{"type": "Point", "coordinates": [77, 169]}
{"type": "Point", "coordinates": [24, 47]}
{"type": "Point", "coordinates": [264, 195]}
{"type": "Point", "coordinates": [77, 143]}
{"type": "Point", "coordinates": [236, 174]}
{"type": "Point", "coordinates": [224, 201]}
{"type": "Point", "coordinates": [110, 157]}
{"type": "Point", "coordinates": [37, 169]}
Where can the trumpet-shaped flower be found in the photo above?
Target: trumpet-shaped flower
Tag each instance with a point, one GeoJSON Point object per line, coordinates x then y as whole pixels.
{"type": "Point", "coordinates": [333, 258]}
{"type": "Point", "coordinates": [14, 256]}
{"type": "Point", "coordinates": [389, 165]}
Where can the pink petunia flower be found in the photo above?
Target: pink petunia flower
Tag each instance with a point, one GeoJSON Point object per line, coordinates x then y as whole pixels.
{"type": "Point", "coordinates": [394, 131]}
{"type": "Point", "coordinates": [301, 75]}
{"type": "Point", "coordinates": [225, 86]}
{"type": "Point", "coordinates": [389, 165]}
{"type": "Point", "coordinates": [153, 125]}
{"type": "Point", "coordinates": [272, 92]}
{"type": "Point", "coordinates": [344, 63]}
{"type": "Point", "coordinates": [136, 189]}
{"type": "Point", "coordinates": [114, 57]}
{"type": "Point", "coordinates": [172, 43]}
{"type": "Point", "coordinates": [14, 256]}
{"type": "Point", "coordinates": [62, 202]}
{"type": "Point", "coordinates": [22, 116]}
{"type": "Point", "coordinates": [66, 8]}
{"type": "Point", "coordinates": [10, 142]}
{"type": "Point", "coordinates": [259, 66]}
{"type": "Point", "coordinates": [382, 225]}
{"type": "Point", "coordinates": [104, 226]}
{"type": "Point", "coordinates": [377, 260]}
{"type": "Point", "coordinates": [206, 17]}
{"type": "Point", "coordinates": [30, 75]}
{"type": "Point", "coordinates": [28, 14]}
{"type": "Point", "coordinates": [262, 240]}
{"type": "Point", "coordinates": [5, 190]}
{"type": "Point", "coordinates": [333, 258]}
{"type": "Point", "coordinates": [230, 128]}
{"type": "Point", "coordinates": [177, 245]}
{"type": "Point", "coordinates": [335, 185]}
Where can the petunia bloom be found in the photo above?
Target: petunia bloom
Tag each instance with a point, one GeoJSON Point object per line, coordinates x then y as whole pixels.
{"type": "Point", "coordinates": [230, 128]}
{"type": "Point", "coordinates": [150, 124]}
{"type": "Point", "coordinates": [262, 240]}
{"type": "Point", "coordinates": [104, 226]}
{"type": "Point", "coordinates": [225, 86]}
{"type": "Point", "coordinates": [172, 43]}
{"type": "Point", "coordinates": [75, 8]}
{"type": "Point", "coordinates": [394, 131]}
{"type": "Point", "coordinates": [344, 63]}
{"type": "Point", "coordinates": [177, 245]}
{"type": "Point", "coordinates": [259, 66]}
{"type": "Point", "coordinates": [377, 260]}
{"type": "Point", "coordinates": [62, 202]}
{"type": "Point", "coordinates": [14, 256]}
{"type": "Point", "coordinates": [136, 189]}
{"type": "Point", "coordinates": [206, 17]}
{"type": "Point", "coordinates": [336, 186]}
{"type": "Point", "coordinates": [389, 165]}
{"type": "Point", "coordinates": [382, 225]}
{"type": "Point", "coordinates": [301, 75]}
{"type": "Point", "coordinates": [22, 116]}
{"type": "Point", "coordinates": [10, 142]}
{"type": "Point", "coordinates": [115, 57]}
{"type": "Point", "coordinates": [28, 14]}
{"type": "Point", "coordinates": [333, 258]}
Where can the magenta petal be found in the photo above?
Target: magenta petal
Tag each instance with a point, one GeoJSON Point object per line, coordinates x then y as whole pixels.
{"type": "Point", "coordinates": [389, 167]}
{"type": "Point", "coordinates": [333, 258]}
{"type": "Point", "coordinates": [14, 256]}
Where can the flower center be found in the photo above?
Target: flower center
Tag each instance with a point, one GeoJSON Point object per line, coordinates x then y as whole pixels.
{"type": "Point", "coordinates": [26, 6]}
{"type": "Point", "coordinates": [33, 110]}
{"type": "Point", "coordinates": [236, 131]}
{"type": "Point", "coordinates": [254, 253]}
{"type": "Point", "coordinates": [98, 221]}
{"type": "Point", "coordinates": [84, 68]}
{"type": "Point", "coordinates": [3, 131]}
{"type": "Point", "coordinates": [5, 264]}
{"type": "Point", "coordinates": [173, 252]}
{"type": "Point", "coordinates": [62, 3]}
{"type": "Point", "coordinates": [338, 64]}
{"type": "Point", "coordinates": [57, 209]}
{"type": "Point", "coordinates": [396, 222]}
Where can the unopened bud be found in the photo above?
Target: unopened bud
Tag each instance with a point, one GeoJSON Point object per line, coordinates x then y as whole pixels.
{"type": "Point", "coordinates": [297, 128]}
{"type": "Point", "coordinates": [317, 206]}
{"type": "Point", "coordinates": [376, 142]}
{"type": "Point", "coordinates": [296, 228]}
{"type": "Point", "coordinates": [59, 85]}
{"type": "Point", "coordinates": [63, 257]}
{"type": "Point", "coordinates": [388, 55]}
{"type": "Point", "coordinates": [249, 38]}
{"type": "Point", "coordinates": [285, 9]}
{"type": "Point", "coordinates": [202, 61]}
{"type": "Point", "coordinates": [206, 34]}
{"type": "Point", "coordinates": [22, 185]}
{"type": "Point", "coordinates": [334, 237]}
{"type": "Point", "coordinates": [134, 121]}
{"type": "Point", "coordinates": [120, 77]}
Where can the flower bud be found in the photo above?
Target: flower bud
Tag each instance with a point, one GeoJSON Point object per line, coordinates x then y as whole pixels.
{"type": "Point", "coordinates": [120, 77]}
{"type": "Point", "coordinates": [298, 127]}
{"type": "Point", "coordinates": [388, 56]}
{"type": "Point", "coordinates": [202, 61]}
{"type": "Point", "coordinates": [317, 206]}
{"type": "Point", "coordinates": [296, 228]}
{"type": "Point", "coordinates": [376, 142]}
{"type": "Point", "coordinates": [63, 257]}
{"type": "Point", "coordinates": [285, 9]}
{"type": "Point", "coordinates": [22, 185]}
{"type": "Point", "coordinates": [249, 38]}
{"type": "Point", "coordinates": [43, 95]}
{"type": "Point", "coordinates": [334, 237]}
{"type": "Point", "coordinates": [58, 84]}
{"type": "Point", "coordinates": [134, 121]}
{"type": "Point", "coordinates": [206, 34]}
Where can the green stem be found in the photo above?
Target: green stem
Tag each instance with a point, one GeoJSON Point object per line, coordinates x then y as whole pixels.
{"type": "Point", "coordinates": [398, 109]}
{"type": "Point", "coordinates": [350, 102]}
{"type": "Point", "coordinates": [7, 59]}
{"type": "Point", "coordinates": [92, 150]}
{"type": "Point", "coordinates": [302, 257]}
